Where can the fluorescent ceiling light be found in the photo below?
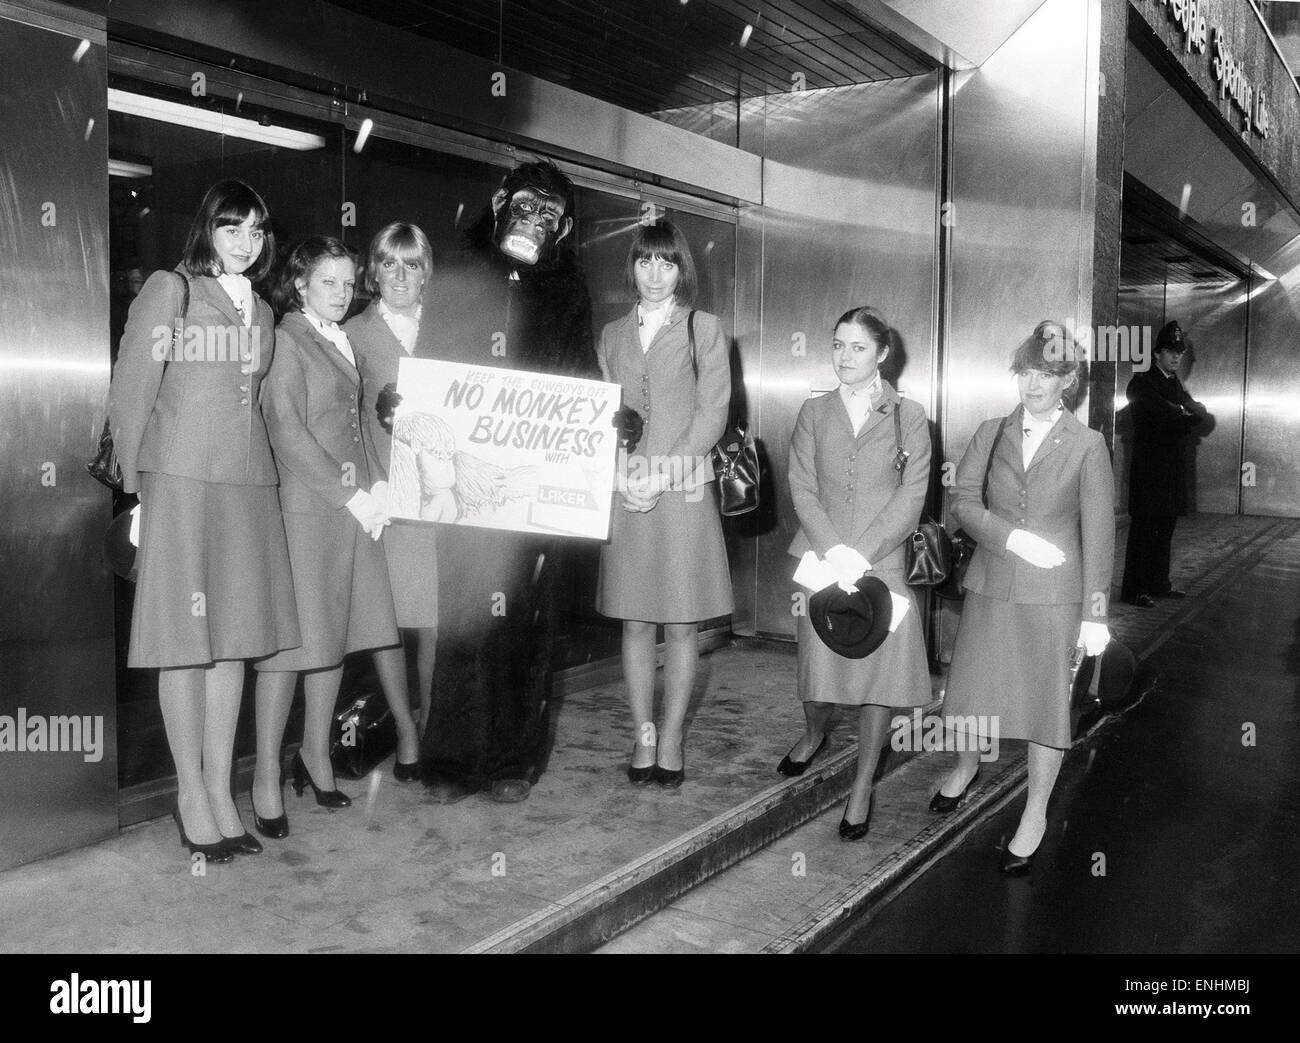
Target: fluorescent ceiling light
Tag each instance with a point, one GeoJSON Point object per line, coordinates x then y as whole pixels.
{"type": "Point", "coordinates": [215, 122]}
{"type": "Point", "coordinates": [121, 168]}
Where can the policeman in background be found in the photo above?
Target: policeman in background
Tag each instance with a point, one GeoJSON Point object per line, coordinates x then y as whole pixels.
{"type": "Point", "coordinates": [1164, 414]}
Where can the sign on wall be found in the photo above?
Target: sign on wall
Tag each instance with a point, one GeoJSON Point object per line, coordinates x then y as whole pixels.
{"type": "Point", "coordinates": [503, 449]}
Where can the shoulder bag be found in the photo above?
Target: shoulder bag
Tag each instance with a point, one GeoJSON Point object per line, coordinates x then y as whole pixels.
{"type": "Point", "coordinates": [735, 457]}
{"type": "Point", "coordinates": [963, 544]}
{"type": "Point", "coordinates": [104, 466]}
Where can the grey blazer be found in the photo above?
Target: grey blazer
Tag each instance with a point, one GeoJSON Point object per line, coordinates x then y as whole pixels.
{"type": "Point", "coordinates": [684, 417]}
{"type": "Point", "coordinates": [1067, 497]}
{"type": "Point", "coordinates": [845, 488]}
{"type": "Point", "coordinates": [312, 400]}
{"type": "Point", "coordinates": [195, 415]}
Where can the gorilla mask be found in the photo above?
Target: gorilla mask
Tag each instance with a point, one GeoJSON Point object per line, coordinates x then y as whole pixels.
{"type": "Point", "coordinates": [530, 211]}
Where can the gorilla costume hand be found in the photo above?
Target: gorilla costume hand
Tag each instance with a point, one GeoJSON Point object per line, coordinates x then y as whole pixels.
{"type": "Point", "coordinates": [386, 404]}
{"type": "Point", "coordinates": [630, 425]}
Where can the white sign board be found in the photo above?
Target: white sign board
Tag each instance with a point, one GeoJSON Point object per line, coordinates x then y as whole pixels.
{"type": "Point", "coordinates": [503, 449]}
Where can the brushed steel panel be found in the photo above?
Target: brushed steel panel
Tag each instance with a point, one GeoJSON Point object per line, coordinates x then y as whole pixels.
{"type": "Point", "coordinates": [1019, 239]}
{"type": "Point", "coordinates": [1021, 251]}
{"type": "Point", "coordinates": [851, 198]}
{"type": "Point", "coordinates": [56, 647]}
{"type": "Point", "coordinates": [1273, 393]}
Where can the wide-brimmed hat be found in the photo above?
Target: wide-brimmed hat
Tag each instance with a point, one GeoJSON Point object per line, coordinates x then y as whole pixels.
{"type": "Point", "coordinates": [852, 625]}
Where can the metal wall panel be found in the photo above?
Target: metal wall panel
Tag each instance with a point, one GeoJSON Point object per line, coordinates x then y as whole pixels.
{"type": "Point", "coordinates": [1020, 241]}
{"type": "Point", "coordinates": [1273, 393]}
{"type": "Point", "coordinates": [850, 184]}
{"type": "Point", "coordinates": [1023, 170]}
{"type": "Point", "coordinates": [56, 648]}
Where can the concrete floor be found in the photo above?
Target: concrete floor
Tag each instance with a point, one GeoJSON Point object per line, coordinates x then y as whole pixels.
{"type": "Point", "coordinates": [395, 873]}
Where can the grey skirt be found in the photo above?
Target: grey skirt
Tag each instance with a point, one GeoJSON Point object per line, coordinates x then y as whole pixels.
{"type": "Point", "coordinates": [345, 603]}
{"type": "Point", "coordinates": [411, 550]}
{"type": "Point", "coordinates": [1012, 663]}
{"type": "Point", "coordinates": [895, 674]}
{"type": "Point", "coordinates": [668, 565]}
{"type": "Point", "coordinates": [214, 580]}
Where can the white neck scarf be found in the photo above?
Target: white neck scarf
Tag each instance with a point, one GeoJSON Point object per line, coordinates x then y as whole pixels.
{"type": "Point", "coordinates": [335, 335]}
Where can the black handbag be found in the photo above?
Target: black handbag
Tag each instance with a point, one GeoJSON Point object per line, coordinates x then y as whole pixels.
{"type": "Point", "coordinates": [362, 734]}
{"type": "Point", "coordinates": [735, 463]}
{"type": "Point", "coordinates": [104, 466]}
{"type": "Point", "coordinates": [964, 544]}
{"type": "Point", "coordinates": [735, 457]}
{"type": "Point", "coordinates": [929, 551]}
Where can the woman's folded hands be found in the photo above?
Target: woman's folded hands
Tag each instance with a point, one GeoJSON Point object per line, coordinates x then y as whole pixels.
{"type": "Point", "coordinates": [849, 566]}
{"type": "Point", "coordinates": [368, 512]}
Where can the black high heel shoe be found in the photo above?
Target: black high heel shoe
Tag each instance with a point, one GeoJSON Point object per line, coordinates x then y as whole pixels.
{"type": "Point", "coordinates": [245, 843]}
{"type": "Point", "coordinates": [273, 828]}
{"type": "Point", "coordinates": [641, 776]}
{"type": "Point", "coordinates": [406, 772]}
{"type": "Point", "coordinates": [1017, 865]}
{"type": "Point", "coordinates": [325, 798]}
{"type": "Point", "coordinates": [942, 805]}
{"type": "Point", "coordinates": [794, 768]}
{"type": "Point", "coordinates": [856, 830]}
{"type": "Point", "coordinates": [218, 853]}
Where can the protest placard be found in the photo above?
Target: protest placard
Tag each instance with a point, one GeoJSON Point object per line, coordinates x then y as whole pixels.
{"type": "Point", "coordinates": [503, 449]}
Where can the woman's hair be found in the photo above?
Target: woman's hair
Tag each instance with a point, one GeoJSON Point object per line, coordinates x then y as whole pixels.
{"type": "Point", "coordinates": [227, 202]}
{"type": "Point", "coordinates": [401, 242]}
{"type": "Point", "coordinates": [1052, 349]}
{"type": "Point", "coordinates": [870, 320]}
{"type": "Point", "coordinates": [301, 262]}
{"type": "Point", "coordinates": [663, 239]}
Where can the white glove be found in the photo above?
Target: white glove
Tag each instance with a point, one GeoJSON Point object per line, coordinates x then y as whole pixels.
{"type": "Point", "coordinates": [1093, 637]}
{"type": "Point", "coordinates": [365, 508]}
{"type": "Point", "coordinates": [1034, 549]}
{"type": "Point", "coordinates": [849, 566]}
{"type": "Point", "coordinates": [134, 534]}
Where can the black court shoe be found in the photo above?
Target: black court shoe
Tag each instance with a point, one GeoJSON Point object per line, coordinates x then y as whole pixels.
{"type": "Point", "coordinates": [856, 830]}
{"type": "Point", "coordinates": [942, 805]}
{"type": "Point", "coordinates": [1016, 865]}
{"type": "Point", "coordinates": [794, 768]}
{"type": "Point", "coordinates": [331, 798]}
{"type": "Point", "coordinates": [244, 844]}
{"type": "Point", "coordinates": [218, 853]}
{"type": "Point", "coordinates": [641, 776]}
{"type": "Point", "coordinates": [406, 772]}
{"type": "Point", "coordinates": [273, 828]}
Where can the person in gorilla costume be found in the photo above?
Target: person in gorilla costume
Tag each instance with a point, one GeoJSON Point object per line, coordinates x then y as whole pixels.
{"type": "Point", "coordinates": [514, 298]}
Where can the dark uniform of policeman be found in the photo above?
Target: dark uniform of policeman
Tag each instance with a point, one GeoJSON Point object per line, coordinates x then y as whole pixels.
{"type": "Point", "coordinates": [1164, 414]}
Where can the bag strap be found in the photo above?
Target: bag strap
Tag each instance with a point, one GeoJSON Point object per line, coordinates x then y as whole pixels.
{"type": "Point", "coordinates": [690, 336]}
{"type": "Point", "coordinates": [984, 491]}
{"type": "Point", "coordinates": [178, 324]}
{"type": "Point", "coordinates": [900, 454]}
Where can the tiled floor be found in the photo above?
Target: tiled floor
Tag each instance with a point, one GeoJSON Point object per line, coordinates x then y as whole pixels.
{"type": "Point", "coordinates": [395, 873]}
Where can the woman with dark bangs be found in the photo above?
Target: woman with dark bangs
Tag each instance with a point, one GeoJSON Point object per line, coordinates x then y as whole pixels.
{"type": "Point", "coordinates": [397, 274]}
{"type": "Point", "coordinates": [666, 561]}
{"type": "Point", "coordinates": [1039, 583]}
{"type": "Point", "coordinates": [214, 585]}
